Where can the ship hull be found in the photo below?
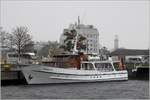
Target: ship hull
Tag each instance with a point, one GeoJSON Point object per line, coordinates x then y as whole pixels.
{"type": "Point", "coordinates": [36, 75]}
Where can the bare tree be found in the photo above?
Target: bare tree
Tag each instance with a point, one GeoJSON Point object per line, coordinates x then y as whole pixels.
{"type": "Point", "coordinates": [5, 44]}
{"type": "Point", "coordinates": [29, 47]}
{"type": "Point", "coordinates": [4, 38]}
{"type": "Point", "coordinates": [21, 39]}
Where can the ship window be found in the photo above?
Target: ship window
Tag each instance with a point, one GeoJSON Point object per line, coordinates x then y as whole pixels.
{"type": "Point", "coordinates": [87, 66]}
{"type": "Point", "coordinates": [104, 67]}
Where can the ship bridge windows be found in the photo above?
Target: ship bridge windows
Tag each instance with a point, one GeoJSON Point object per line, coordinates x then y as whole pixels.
{"type": "Point", "coordinates": [105, 67]}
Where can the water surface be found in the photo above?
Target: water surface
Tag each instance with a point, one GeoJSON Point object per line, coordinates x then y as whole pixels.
{"type": "Point", "coordinates": [131, 89]}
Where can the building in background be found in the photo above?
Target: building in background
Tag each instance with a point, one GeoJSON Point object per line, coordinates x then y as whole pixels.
{"type": "Point", "coordinates": [88, 31]}
{"type": "Point", "coordinates": [116, 42]}
{"type": "Point", "coordinates": [131, 55]}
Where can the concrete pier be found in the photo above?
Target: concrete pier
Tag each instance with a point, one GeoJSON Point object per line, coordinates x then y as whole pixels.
{"type": "Point", "coordinates": [12, 75]}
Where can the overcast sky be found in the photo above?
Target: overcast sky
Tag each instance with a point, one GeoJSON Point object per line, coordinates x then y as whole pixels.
{"type": "Point", "coordinates": [47, 19]}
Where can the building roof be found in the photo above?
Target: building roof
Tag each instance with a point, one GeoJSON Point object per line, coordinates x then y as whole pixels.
{"type": "Point", "coordinates": [130, 52]}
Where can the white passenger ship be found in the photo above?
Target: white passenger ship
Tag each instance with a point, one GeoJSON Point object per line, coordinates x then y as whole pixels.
{"type": "Point", "coordinates": [90, 71]}
{"type": "Point", "coordinates": [75, 67]}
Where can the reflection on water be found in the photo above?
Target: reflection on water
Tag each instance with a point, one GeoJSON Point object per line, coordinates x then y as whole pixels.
{"type": "Point", "coordinates": [131, 89]}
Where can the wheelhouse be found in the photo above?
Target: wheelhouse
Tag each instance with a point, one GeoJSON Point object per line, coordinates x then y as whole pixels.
{"type": "Point", "coordinates": [103, 66]}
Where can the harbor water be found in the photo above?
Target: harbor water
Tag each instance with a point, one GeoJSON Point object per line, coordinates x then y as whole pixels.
{"type": "Point", "coordinates": [131, 89]}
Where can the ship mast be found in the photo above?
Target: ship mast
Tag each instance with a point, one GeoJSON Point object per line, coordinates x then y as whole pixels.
{"type": "Point", "coordinates": [76, 38]}
{"type": "Point", "coordinates": [75, 44]}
